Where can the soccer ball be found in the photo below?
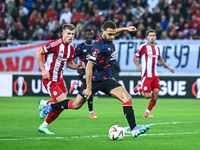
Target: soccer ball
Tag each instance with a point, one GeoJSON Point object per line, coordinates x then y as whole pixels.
{"type": "Point", "coordinates": [116, 132]}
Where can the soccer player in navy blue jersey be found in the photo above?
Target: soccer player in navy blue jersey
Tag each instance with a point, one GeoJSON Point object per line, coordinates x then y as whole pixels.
{"type": "Point", "coordinates": [99, 78]}
{"type": "Point", "coordinates": [83, 51]}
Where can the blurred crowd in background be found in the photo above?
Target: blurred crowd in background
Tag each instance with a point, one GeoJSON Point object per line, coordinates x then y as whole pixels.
{"type": "Point", "coordinates": [29, 20]}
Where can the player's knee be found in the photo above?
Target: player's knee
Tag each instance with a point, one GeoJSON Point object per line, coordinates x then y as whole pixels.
{"type": "Point", "coordinates": [77, 106]}
{"type": "Point", "coordinates": [78, 102]}
{"type": "Point", "coordinates": [147, 96]}
{"type": "Point", "coordinates": [156, 93]}
{"type": "Point", "coordinates": [127, 98]}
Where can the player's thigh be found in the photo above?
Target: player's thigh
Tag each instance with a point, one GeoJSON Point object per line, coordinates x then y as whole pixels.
{"type": "Point", "coordinates": [55, 91]}
{"type": "Point", "coordinates": [156, 84]}
{"type": "Point", "coordinates": [146, 85]}
{"type": "Point", "coordinates": [78, 102]}
{"type": "Point", "coordinates": [121, 94]}
{"type": "Point", "coordinates": [63, 88]}
{"type": "Point", "coordinates": [45, 83]}
{"type": "Point", "coordinates": [62, 85]}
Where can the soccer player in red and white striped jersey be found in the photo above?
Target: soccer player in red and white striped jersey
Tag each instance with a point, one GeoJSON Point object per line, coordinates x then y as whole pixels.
{"type": "Point", "coordinates": [57, 53]}
{"type": "Point", "coordinates": [150, 55]}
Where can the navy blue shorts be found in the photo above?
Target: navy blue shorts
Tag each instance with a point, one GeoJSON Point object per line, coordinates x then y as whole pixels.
{"type": "Point", "coordinates": [104, 86]}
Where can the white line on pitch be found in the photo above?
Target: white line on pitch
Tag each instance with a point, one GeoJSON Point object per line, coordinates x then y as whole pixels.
{"type": "Point", "coordinates": [164, 123]}
{"type": "Point", "coordinates": [99, 136]}
{"type": "Point", "coordinates": [172, 123]}
{"type": "Point", "coordinates": [94, 136]}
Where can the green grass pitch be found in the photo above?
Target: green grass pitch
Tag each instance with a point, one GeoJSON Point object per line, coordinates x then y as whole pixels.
{"type": "Point", "coordinates": [175, 126]}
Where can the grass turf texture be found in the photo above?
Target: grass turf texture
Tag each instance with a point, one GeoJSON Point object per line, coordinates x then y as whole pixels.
{"type": "Point", "coordinates": [175, 125]}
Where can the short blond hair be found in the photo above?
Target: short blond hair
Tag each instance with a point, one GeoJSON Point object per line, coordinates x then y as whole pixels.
{"type": "Point", "coordinates": [68, 26]}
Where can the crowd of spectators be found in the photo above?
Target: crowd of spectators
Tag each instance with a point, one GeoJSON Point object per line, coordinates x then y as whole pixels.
{"type": "Point", "coordinates": [28, 20]}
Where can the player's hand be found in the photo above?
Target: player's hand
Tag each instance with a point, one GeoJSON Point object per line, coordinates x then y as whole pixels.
{"type": "Point", "coordinates": [139, 68]}
{"type": "Point", "coordinates": [45, 74]}
{"type": "Point", "coordinates": [132, 29]}
{"type": "Point", "coordinates": [87, 93]}
{"type": "Point", "coordinates": [81, 65]}
{"type": "Point", "coordinates": [171, 70]}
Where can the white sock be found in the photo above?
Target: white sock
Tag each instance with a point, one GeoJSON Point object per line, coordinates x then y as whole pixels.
{"type": "Point", "coordinates": [91, 112]}
{"type": "Point", "coordinates": [44, 125]}
{"type": "Point", "coordinates": [147, 111]}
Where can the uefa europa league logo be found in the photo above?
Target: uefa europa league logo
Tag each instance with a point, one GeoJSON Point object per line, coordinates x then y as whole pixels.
{"type": "Point", "coordinates": [198, 88]}
{"type": "Point", "coordinates": [20, 86]}
{"type": "Point", "coordinates": [197, 85]}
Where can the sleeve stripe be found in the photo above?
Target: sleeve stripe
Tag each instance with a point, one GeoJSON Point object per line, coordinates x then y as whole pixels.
{"type": "Point", "coordinates": [69, 51]}
{"type": "Point", "coordinates": [93, 58]}
{"type": "Point", "coordinates": [45, 49]}
{"type": "Point", "coordinates": [92, 62]}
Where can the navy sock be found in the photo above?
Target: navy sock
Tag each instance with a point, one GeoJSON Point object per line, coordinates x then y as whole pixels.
{"type": "Point", "coordinates": [61, 105]}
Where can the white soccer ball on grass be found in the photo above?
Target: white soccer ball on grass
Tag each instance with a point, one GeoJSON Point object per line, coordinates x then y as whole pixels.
{"type": "Point", "coordinates": [116, 132]}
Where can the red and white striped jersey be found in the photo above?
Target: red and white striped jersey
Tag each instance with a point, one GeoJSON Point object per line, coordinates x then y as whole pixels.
{"type": "Point", "coordinates": [149, 55]}
{"type": "Point", "coordinates": [56, 56]}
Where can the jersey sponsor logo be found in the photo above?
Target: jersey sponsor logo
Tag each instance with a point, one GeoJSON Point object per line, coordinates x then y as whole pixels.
{"type": "Point", "coordinates": [155, 56]}
{"type": "Point", "coordinates": [109, 48]}
{"type": "Point", "coordinates": [84, 50]}
{"type": "Point", "coordinates": [61, 58]}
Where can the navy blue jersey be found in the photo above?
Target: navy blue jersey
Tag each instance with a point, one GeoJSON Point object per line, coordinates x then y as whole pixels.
{"type": "Point", "coordinates": [83, 51]}
{"type": "Point", "coordinates": [103, 56]}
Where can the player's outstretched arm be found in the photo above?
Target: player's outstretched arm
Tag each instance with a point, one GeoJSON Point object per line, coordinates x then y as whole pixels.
{"type": "Point", "coordinates": [139, 68]}
{"type": "Point", "coordinates": [162, 62]}
{"type": "Point", "coordinates": [130, 29]}
{"type": "Point", "coordinates": [72, 65]}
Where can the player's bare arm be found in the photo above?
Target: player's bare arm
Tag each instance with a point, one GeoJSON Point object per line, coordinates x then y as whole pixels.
{"type": "Point", "coordinates": [139, 68]}
{"type": "Point", "coordinates": [88, 73]}
{"type": "Point", "coordinates": [130, 29]}
{"type": "Point", "coordinates": [38, 54]}
{"type": "Point", "coordinates": [72, 65]}
{"type": "Point", "coordinates": [162, 62]}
